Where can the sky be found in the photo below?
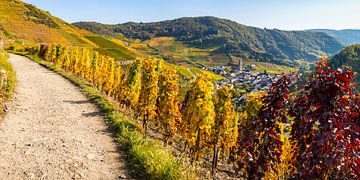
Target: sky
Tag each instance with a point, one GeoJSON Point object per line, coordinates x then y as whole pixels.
{"type": "Point", "coordinates": [280, 14]}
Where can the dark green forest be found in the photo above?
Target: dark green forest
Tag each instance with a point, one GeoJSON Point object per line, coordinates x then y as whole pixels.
{"type": "Point", "coordinates": [350, 56]}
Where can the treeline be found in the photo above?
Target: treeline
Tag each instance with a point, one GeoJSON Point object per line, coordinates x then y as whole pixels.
{"type": "Point", "coordinates": [350, 56]}
{"type": "Point", "coordinates": [314, 134]}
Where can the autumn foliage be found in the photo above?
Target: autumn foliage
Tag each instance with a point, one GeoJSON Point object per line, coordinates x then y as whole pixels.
{"type": "Point", "coordinates": [313, 133]}
{"type": "Point", "coordinates": [168, 104]}
{"type": "Point", "coordinates": [198, 113]}
{"type": "Point", "coordinates": [326, 126]}
{"type": "Point", "coordinates": [225, 129]}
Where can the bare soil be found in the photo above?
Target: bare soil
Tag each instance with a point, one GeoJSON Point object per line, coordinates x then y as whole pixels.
{"type": "Point", "coordinates": [52, 131]}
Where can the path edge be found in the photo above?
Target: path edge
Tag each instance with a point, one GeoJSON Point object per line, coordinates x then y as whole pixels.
{"type": "Point", "coordinates": [138, 149]}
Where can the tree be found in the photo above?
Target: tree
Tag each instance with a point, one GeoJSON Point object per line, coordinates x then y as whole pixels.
{"type": "Point", "coordinates": [198, 113]}
{"type": "Point", "coordinates": [247, 134]}
{"type": "Point", "coordinates": [168, 103]}
{"type": "Point", "coordinates": [133, 84]}
{"type": "Point", "coordinates": [225, 130]}
{"type": "Point", "coordinates": [285, 168]}
{"type": "Point", "coordinates": [101, 72]}
{"type": "Point", "coordinates": [60, 59]}
{"type": "Point", "coordinates": [66, 61]}
{"type": "Point", "coordinates": [354, 132]}
{"type": "Point", "coordinates": [85, 63]}
{"type": "Point", "coordinates": [95, 68]}
{"type": "Point", "coordinates": [259, 144]}
{"type": "Point", "coordinates": [146, 108]}
{"type": "Point", "coordinates": [326, 126]}
{"type": "Point", "coordinates": [75, 59]}
{"type": "Point", "coordinates": [51, 53]}
{"type": "Point", "coordinates": [109, 75]}
{"type": "Point", "coordinates": [274, 112]}
{"type": "Point", "coordinates": [118, 85]}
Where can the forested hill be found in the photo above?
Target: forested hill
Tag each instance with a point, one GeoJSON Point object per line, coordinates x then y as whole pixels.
{"type": "Point", "coordinates": [350, 56]}
{"type": "Point", "coordinates": [346, 36]}
{"type": "Point", "coordinates": [229, 37]}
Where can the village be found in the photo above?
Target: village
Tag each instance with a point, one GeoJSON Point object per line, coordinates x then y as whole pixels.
{"type": "Point", "coordinates": [246, 80]}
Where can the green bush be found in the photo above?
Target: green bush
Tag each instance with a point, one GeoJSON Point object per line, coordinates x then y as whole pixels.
{"type": "Point", "coordinates": [8, 78]}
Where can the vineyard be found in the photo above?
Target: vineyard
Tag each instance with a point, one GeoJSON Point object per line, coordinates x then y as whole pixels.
{"type": "Point", "coordinates": [7, 77]}
{"type": "Point", "coordinates": [275, 135]}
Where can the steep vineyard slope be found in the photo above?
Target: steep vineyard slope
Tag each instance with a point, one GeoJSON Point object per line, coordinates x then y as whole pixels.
{"type": "Point", "coordinates": [24, 22]}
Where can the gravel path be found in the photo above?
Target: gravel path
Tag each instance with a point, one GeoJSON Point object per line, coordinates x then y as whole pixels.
{"type": "Point", "coordinates": [52, 131]}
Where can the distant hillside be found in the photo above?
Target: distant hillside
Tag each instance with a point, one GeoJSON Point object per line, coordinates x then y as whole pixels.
{"type": "Point", "coordinates": [346, 36]}
{"type": "Point", "coordinates": [230, 38]}
{"type": "Point", "coordinates": [21, 22]}
{"type": "Point", "coordinates": [350, 56]}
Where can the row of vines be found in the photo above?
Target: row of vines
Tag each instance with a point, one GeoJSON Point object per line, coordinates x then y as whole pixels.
{"type": "Point", "coordinates": [276, 135]}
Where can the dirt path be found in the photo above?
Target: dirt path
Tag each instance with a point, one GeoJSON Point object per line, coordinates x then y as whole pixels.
{"type": "Point", "coordinates": [52, 131]}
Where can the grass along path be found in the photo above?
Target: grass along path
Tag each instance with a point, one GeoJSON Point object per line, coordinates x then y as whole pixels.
{"type": "Point", "coordinates": [147, 158]}
{"type": "Point", "coordinates": [52, 131]}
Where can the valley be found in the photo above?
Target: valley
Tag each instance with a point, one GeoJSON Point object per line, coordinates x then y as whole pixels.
{"type": "Point", "coordinates": [190, 96]}
{"type": "Point", "coordinates": [229, 38]}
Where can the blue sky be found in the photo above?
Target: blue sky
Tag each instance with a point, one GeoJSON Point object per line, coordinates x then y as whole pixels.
{"type": "Point", "coordinates": [281, 14]}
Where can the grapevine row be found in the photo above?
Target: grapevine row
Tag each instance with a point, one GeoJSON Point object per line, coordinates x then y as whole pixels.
{"type": "Point", "coordinates": [276, 135]}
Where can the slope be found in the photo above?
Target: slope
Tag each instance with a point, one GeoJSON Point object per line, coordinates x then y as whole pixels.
{"type": "Point", "coordinates": [350, 56]}
{"type": "Point", "coordinates": [230, 38]}
{"type": "Point", "coordinates": [346, 36]}
{"type": "Point", "coordinates": [180, 53]}
{"type": "Point", "coordinates": [21, 22]}
{"type": "Point", "coordinates": [25, 23]}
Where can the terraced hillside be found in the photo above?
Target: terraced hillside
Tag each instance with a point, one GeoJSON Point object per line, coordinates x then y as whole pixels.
{"type": "Point", "coordinates": [26, 23]}
{"type": "Point", "coordinates": [181, 53]}
{"type": "Point", "coordinates": [111, 48]}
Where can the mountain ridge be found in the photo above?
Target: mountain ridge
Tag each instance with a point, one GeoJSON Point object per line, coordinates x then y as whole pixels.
{"type": "Point", "coordinates": [236, 40]}
{"type": "Point", "coordinates": [345, 36]}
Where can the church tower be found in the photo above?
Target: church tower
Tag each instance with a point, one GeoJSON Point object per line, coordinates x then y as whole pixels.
{"type": "Point", "coordinates": [241, 65]}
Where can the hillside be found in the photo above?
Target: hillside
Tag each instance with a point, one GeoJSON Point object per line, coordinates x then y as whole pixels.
{"type": "Point", "coordinates": [350, 56]}
{"type": "Point", "coordinates": [346, 36]}
{"type": "Point", "coordinates": [228, 38]}
{"type": "Point", "coordinates": [25, 23]}
{"type": "Point", "coordinates": [21, 22]}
